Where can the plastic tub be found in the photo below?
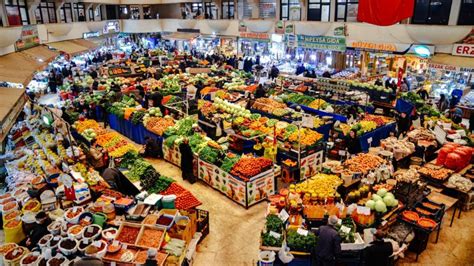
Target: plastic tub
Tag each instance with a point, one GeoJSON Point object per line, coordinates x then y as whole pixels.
{"type": "Point", "coordinates": [44, 241]}
{"type": "Point", "coordinates": [78, 234]}
{"type": "Point", "coordinates": [168, 201]}
{"type": "Point", "coordinates": [68, 252]}
{"type": "Point", "coordinates": [95, 227]}
{"type": "Point", "coordinates": [266, 258]}
{"type": "Point", "coordinates": [15, 261]}
{"type": "Point", "coordinates": [73, 219]}
{"type": "Point", "coordinates": [37, 257]}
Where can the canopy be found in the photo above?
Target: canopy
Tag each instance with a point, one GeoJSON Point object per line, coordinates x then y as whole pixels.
{"type": "Point", "coordinates": [20, 67]}
{"type": "Point", "coordinates": [73, 47]}
{"type": "Point", "coordinates": [11, 104]}
{"type": "Point", "coordinates": [451, 60]}
{"type": "Point", "coordinates": [185, 36]}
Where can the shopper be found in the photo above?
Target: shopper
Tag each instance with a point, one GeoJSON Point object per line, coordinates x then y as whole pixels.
{"type": "Point", "coordinates": [455, 114]}
{"type": "Point", "coordinates": [423, 94]}
{"type": "Point", "coordinates": [97, 158]}
{"type": "Point", "coordinates": [186, 161]}
{"type": "Point", "coordinates": [274, 72]}
{"type": "Point", "coordinates": [300, 69]}
{"type": "Point", "coordinates": [260, 92]}
{"type": "Point", "coordinates": [151, 257]}
{"type": "Point", "coordinates": [403, 124]}
{"type": "Point", "coordinates": [52, 82]}
{"type": "Point", "coordinates": [353, 143]}
{"type": "Point", "coordinates": [379, 251]}
{"type": "Point", "coordinates": [151, 148]}
{"type": "Point", "coordinates": [326, 74]}
{"type": "Point", "coordinates": [387, 83]}
{"type": "Point", "coordinates": [471, 122]}
{"type": "Point", "coordinates": [442, 103]}
{"type": "Point", "coordinates": [403, 86]}
{"type": "Point", "coordinates": [329, 243]}
{"type": "Point", "coordinates": [39, 230]}
{"type": "Point", "coordinates": [378, 82]}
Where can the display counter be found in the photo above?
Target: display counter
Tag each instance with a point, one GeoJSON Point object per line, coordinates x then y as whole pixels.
{"type": "Point", "coordinates": [245, 193]}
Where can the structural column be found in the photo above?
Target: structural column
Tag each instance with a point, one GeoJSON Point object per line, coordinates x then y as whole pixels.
{"type": "Point", "coordinates": [59, 4]}
{"type": "Point", "coordinates": [32, 6]}
{"type": "Point", "coordinates": [332, 11]}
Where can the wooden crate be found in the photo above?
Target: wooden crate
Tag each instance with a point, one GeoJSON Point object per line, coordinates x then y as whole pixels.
{"type": "Point", "coordinates": [142, 235]}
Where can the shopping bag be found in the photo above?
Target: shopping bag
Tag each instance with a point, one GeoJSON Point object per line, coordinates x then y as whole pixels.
{"type": "Point", "coordinates": [284, 253]}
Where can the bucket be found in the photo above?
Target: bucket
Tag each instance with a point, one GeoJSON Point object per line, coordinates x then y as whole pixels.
{"type": "Point", "coordinates": [168, 201]}
{"type": "Point", "coordinates": [15, 233]}
{"type": "Point", "coordinates": [99, 219]}
{"type": "Point", "coordinates": [266, 258]}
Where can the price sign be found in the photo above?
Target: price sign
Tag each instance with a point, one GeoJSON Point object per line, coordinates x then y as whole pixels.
{"type": "Point", "coordinates": [97, 244]}
{"type": "Point", "coordinates": [87, 219]}
{"type": "Point", "coordinates": [342, 152]}
{"type": "Point", "coordinates": [369, 140]}
{"type": "Point", "coordinates": [275, 234]}
{"type": "Point", "coordinates": [345, 229]}
{"type": "Point", "coordinates": [86, 241]}
{"type": "Point", "coordinates": [90, 229]}
{"type": "Point", "coordinates": [283, 215]}
{"type": "Point", "coordinates": [363, 210]}
{"type": "Point", "coordinates": [302, 232]}
{"type": "Point", "coordinates": [307, 121]}
{"type": "Point", "coordinates": [213, 95]}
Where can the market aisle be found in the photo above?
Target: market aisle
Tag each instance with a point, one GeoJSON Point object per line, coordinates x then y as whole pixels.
{"type": "Point", "coordinates": [234, 231]}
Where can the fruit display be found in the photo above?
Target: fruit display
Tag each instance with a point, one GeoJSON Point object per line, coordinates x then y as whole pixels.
{"type": "Point", "coordinates": [435, 172]}
{"type": "Point", "coordinates": [306, 137]}
{"type": "Point", "coordinates": [459, 182]}
{"type": "Point", "coordinates": [363, 162]}
{"type": "Point", "coordinates": [454, 156]}
{"type": "Point", "coordinates": [381, 200]}
{"type": "Point", "coordinates": [320, 185]}
{"type": "Point", "coordinates": [159, 125]}
{"type": "Point", "coordinates": [400, 148]}
{"type": "Point", "coordinates": [268, 105]}
{"type": "Point", "coordinates": [248, 167]}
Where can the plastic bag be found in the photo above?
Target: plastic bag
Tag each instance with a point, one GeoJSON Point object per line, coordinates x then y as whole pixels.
{"type": "Point", "coordinates": [284, 254]}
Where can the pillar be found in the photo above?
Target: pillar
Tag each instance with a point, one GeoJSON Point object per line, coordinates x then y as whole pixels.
{"type": "Point", "coordinates": [303, 10]}
{"type": "Point", "coordinates": [59, 4]}
{"type": "Point", "coordinates": [332, 11]}
{"type": "Point", "coordinates": [278, 9]}
{"type": "Point", "coordinates": [255, 9]}
{"type": "Point", "coordinates": [87, 6]}
{"type": "Point", "coordinates": [140, 10]}
{"type": "Point", "coordinates": [32, 5]}
{"type": "Point", "coordinates": [3, 15]}
{"type": "Point", "coordinates": [454, 13]}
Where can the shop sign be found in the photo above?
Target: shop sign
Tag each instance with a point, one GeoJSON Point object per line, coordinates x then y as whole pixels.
{"type": "Point", "coordinates": [280, 27]}
{"type": "Point", "coordinates": [112, 26]}
{"type": "Point", "coordinates": [29, 38]}
{"type": "Point", "coordinates": [450, 68]}
{"type": "Point", "coordinates": [463, 49]}
{"type": "Point", "coordinates": [373, 46]}
{"type": "Point", "coordinates": [322, 42]}
{"type": "Point", "coordinates": [291, 40]}
{"type": "Point", "coordinates": [289, 28]}
{"type": "Point", "coordinates": [340, 31]}
{"type": "Point", "coordinates": [255, 35]}
{"type": "Point", "coordinates": [91, 34]}
{"type": "Point", "coordinates": [189, 30]}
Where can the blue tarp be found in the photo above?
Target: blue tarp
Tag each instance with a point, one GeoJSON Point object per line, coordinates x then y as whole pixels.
{"type": "Point", "coordinates": [318, 112]}
{"type": "Point", "coordinates": [376, 135]}
{"type": "Point", "coordinates": [403, 106]}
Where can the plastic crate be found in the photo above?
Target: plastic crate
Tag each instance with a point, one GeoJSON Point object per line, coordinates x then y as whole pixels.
{"type": "Point", "coordinates": [202, 223]}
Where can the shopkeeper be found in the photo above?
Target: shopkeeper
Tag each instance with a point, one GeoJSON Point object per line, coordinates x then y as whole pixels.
{"type": "Point", "coordinates": [39, 230]}
{"type": "Point", "coordinates": [186, 161]}
{"type": "Point", "coordinates": [329, 243]}
{"type": "Point", "coordinates": [379, 251]}
{"type": "Point", "coordinates": [152, 148]}
{"type": "Point", "coordinates": [352, 142]}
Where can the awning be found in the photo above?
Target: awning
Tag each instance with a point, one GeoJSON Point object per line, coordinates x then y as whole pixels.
{"type": "Point", "coordinates": [11, 104]}
{"type": "Point", "coordinates": [184, 36]}
{"type": "Point", "coordinates": [451, 60]}
{"type": "Point", "coordinates": [20, 67]}
{"type": "Point", "coordinates": [73, 47]}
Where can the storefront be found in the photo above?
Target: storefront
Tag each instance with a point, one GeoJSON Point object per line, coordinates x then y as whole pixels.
{"type": "Point", "coordinates": [226, 45]}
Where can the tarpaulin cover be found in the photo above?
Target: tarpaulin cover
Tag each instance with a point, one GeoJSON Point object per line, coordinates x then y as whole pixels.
{"type": "Point", "coordinates": [384, 12]}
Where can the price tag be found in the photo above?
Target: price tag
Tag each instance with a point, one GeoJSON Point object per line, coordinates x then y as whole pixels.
{"type": "Point", "coordinates": [15, 252]}
{"type": "Point", "coordinates": [345, 229]}
{"type": "Point", "coordinates": [342, 152]}
{"type": "Point", "coordinates": [383, 223]}
{"type": "Point", "coordinates": [363, 210]}
{"type": "Point", "coordinates": [308, 121]}
{"type": "Point", "coordinates": [113, 263]}
{"type": "Point", "coordinates": [213, 95]}
{"type": "Point", "coordinates": [74, 209]}
{"type": "Point", "coordinates": [283, 215]}
{"type": "Point", "coordinates": [275, 234]}
{"type": "Point", "coordinates": [87, 219]}
{"type": "Point", "coordinates": [86, 241]}
{"type": "Point", "coordinates": [369, 140]}
{"type": "Point", "coordinates": [97, 244]}
{"type": "Point", "coordinates": [56, 238]}
{"type": "Point", "coordinates": [90, 229]}
{"type": "Point", "coordinates": [302, 232]}
{"type": "Point", "coordinates": [115, 243]}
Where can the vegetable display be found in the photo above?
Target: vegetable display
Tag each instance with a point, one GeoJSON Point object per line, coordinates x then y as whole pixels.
{"type": "Point", "coordinates": [298, 242]}
{"type": "Point", "coordinates": [248, 167]}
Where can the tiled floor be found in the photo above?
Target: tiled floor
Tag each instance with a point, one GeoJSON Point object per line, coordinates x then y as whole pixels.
{"type": "Point", "coordinates": [234, 231]}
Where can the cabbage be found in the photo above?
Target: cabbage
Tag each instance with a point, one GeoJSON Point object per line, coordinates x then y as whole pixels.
{"type": "Point", "coordinates": [380, 206]}
{"type": "Point", "coordinates": [388, 201]}
{"type": "Point", "coordinates": [382, 192]}
{"type": "Point", "coordinates": [376, 197]}
{"type": "Point", "coordinates": [370, 204]}
{"type": "Point", "coordinates": [389, 194]}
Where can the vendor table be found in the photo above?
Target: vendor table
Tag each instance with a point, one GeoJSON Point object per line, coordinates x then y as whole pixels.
{"type": "Point", "coordinates": [137, 133]}
{"type": "Point", "coordinates": [245, 193]}
{"type": "Point", "coordinates": [373, 138]}
{"type": "Point", "coordinates": [438, 197]}
{"type": "Point", "coordinates": [336, 117]}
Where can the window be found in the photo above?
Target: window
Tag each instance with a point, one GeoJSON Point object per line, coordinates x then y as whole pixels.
{"type": "Point", "coordinates": [267, 9]}
{"type": "Point", "coordinates": [435, 12]}
{"type": "Point", "coordinates": [196, 8]}
{"type": "Point", "coordinates": [123, 12]}
{"type": "Point", "coordinates": [346, 10]}
{"type": "Point", "coordinates": [66, 13]}
{"type": "Point", "coordinates": [210, 10]}
{"type": "Point", "coordinates": [245, 9]}
{"type": "Point", "coordinates": [290, 10]}
{"type": "Point", "coordinates": [134, 12]}
{"type": "Point", "coordinates": [111, 11]}
{"type": "Point", "coordinates": [45, 12]}
{"type": "Point", "coordinates": [466, 14]}
{"type": "Point", "coordinates": [318, 10]}
{"type": "Point", "coordinates": [79, 11]}
{"type": "Point", "coordinates": [228, 9]}
{"type": "Point", "coordinates": [91, 14]}
{"type": "Point", "coordinates": [147, 12]}
{"type": "Point", "coordinates": [17, 12]}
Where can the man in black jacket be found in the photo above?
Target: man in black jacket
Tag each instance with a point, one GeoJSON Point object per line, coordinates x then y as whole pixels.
{"type": "Point", "coordinates": [329, 243]}
{"type": "Point", "coordinates": [39, 230]}
{"type": "Point", "coordinates": [379, 251]}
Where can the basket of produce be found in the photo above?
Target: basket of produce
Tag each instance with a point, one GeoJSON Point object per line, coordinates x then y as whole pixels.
{"type": "Point", "coordinates": [54, 242]}
{"type": "Point", "coordinates": [57, 260]}
{"type": "Point", "coordinates": [300, 243]}
{"type": "Point", "coordinates": [109, 234]}
{"type": "Point", "coordinates": [55, 227]}
{"type": "Point", "coordinates": [97, 249]}
{"type": "Point", "coordinates": [32, 206]}
{"type": "Point", "coordinates": [435, 174]}
{"type": "Point", "coordinates": [459, 182]}
{"type": "Point", "coordinates": [150, 237]}
{"type": "Point", "coordinates": [76, 231]}
{"type": "Point", "coordinates": [72, 214]}
{"type": "Point", "coordinates": [43, 242]}
{"type": "Point", "coordinates": [68, 246]}
{"type": "Point", "coordinates": [128, 233]}
{"type": "Point", "coordinates": [14, 255]}
{"type": "Point", "coordinates": [91, 232]}
{"type": "Point", "coordinates": [31, 259]}
{"type": "Point", "coordinates": [427, 223]}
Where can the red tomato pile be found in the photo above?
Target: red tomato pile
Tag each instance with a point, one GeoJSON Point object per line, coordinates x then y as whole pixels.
{"type": "Point", "coordinates": [186, 200]}
{"type": "Point", "coordinates": [174, 189]}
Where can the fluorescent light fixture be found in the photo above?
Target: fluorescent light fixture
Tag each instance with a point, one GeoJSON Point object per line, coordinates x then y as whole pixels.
{"type": "Point", "coordinates": [422, 50]}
